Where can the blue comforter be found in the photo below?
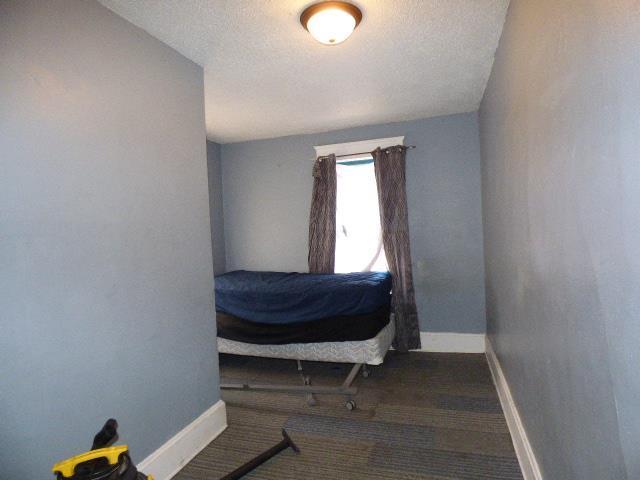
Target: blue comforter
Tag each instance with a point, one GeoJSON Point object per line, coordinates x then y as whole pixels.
{"type": "Point", "coordinates": [274, 297]}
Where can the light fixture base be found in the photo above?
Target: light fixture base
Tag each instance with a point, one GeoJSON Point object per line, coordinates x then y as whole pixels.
{"type": "Point", "coordinates": [323, 21]}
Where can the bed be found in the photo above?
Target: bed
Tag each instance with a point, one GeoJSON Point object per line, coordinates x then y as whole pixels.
{"type": "Point", "coordinates": [306, 317]}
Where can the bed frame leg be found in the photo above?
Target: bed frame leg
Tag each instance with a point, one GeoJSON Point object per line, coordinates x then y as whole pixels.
{"type": "Point", "coordinates": [306, 381]}
{"type": "Point", "coordinates": [351, 403]}
{"type": "Point", "coordinates": [352, 375]}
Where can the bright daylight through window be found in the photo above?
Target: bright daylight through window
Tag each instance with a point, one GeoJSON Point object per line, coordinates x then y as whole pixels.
{"type": "Point", "coordinates": [359, 245]}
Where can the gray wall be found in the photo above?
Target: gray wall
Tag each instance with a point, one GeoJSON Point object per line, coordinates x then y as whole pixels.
{"type": "Point", "coordinates": [267, 195]}
{"type": "Point", "coordinates": [214, 168]}
{"type": "Point", "coordinates": [105, 247]}
{"type": "Point", "coordinates": [560, 134]}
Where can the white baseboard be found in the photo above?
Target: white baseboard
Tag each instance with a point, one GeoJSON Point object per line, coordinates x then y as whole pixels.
{"type": "Point", "coordinates": [449, 342]}
{"type": "Point", "coordinates": [167, 460]}
{"type": "Point", "coordinates": [526, 457]}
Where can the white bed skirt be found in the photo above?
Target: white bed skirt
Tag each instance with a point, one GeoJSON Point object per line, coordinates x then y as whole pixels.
{"type": "Point", "coordinates": [370, 351]}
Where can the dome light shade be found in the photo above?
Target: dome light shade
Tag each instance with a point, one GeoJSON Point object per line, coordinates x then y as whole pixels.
{"type": "Point", "coordinates": [331, 22]}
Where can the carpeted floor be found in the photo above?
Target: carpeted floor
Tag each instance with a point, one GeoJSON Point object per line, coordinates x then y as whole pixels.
{"type": "Point", "coordinates": [420, 416]}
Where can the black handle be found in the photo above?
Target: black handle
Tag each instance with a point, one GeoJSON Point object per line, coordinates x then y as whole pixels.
{"type": "Point", "coordinates": [107, 435]}
{"type": "Point", "coordinates": [241, 471]}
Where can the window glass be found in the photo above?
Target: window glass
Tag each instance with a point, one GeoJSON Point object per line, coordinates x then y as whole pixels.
{"type": "Point", "coordinates": [358, 233]}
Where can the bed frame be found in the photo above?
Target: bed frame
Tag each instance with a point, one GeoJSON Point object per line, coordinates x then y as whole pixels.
{"type": "Point", "coordinates": [360, 353]}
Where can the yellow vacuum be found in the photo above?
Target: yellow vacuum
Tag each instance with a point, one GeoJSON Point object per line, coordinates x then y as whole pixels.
{"type": "Point", "coordinates": [102, 462]}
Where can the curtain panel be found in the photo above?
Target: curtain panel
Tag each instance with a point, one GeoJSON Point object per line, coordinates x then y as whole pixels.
{"type": "Point", "coordinates": [322, 219]}
{"type": "Point", "coordinates": [389, 166]}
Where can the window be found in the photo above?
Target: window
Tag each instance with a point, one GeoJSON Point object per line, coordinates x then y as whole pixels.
{"type": "Point", "coordinates": [359, 245]}
{"type": "Point", "coordinates": [358, 232]}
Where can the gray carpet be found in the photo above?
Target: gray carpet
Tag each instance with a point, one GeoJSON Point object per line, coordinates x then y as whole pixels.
{"type": "Point", "coordinates": [420, 416]}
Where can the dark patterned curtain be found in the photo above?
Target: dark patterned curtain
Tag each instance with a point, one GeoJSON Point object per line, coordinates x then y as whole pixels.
{"type": "Point", "coordinates": [390, 177]}
{"type": "Point", "coordinates": [322, 220]}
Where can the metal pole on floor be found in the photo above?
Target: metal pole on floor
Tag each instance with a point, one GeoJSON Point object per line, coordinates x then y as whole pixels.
{"type": "Point", "coordinates": [241, 471]}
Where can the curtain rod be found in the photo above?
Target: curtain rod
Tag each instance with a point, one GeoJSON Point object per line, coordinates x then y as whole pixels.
{"type": "Point", "coordinates": [408, 147]}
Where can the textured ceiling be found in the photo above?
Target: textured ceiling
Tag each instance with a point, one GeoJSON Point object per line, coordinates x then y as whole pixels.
{"type": "Point", "coordinates": [265, 76]}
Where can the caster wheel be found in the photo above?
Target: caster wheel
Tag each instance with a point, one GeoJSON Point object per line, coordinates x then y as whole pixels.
{"type": "Point", "coordinates": [351, 405]}
{"type": "Point", "coordinates": [366, 373]}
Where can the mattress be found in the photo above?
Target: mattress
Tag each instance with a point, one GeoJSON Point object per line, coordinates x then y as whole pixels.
{"type": "Point", "coordinates": [371, 351]}
{"type": "Point", "coordinates": [340, 328]}
{"type": "Point", "coordinates": [282, 298]}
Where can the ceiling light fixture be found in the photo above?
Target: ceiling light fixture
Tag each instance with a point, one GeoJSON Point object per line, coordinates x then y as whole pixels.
{"type": "Point", "coordinates": [331, 22]}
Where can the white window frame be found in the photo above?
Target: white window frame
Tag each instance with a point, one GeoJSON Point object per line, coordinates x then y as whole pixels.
{"type": "Point", "coordinates": [351, 148]}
